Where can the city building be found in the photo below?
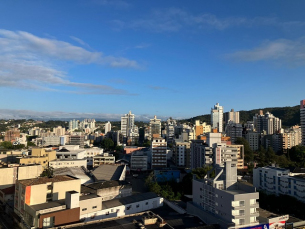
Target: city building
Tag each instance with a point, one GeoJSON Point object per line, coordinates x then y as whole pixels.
{"type": "Point", "coordinates": [221, 199]}
{"type": "Point", "coordinates": [201, 128]}
{"type": "Point", "coordinates": [182, 154]}
{"type": "Point", "coordinates": [71, 152]}
{"type": "Point", "coordinates": [107, 127]}
{"type": "Point", "coordinates": [254, 139]}
{"type": "Point", "coordinates": [170, 128]}
{"type": "Point", "coordinates": [37, 191]}
{"type": "Point", "coordinates": [217, 117]}
{"type": "Point", "coordinates": [267, 124]}
{"type": "Point", "coordinates": [108, 172]}
{"type": "Point", "coordinates": [167, 175]}
{"type": "Point", "coordinates": [51, 141]}
{"type": "Point", "coordinates": [77, 138]}
{"type": "Point", "coordinates": [155, 127]}
{"type": "Point", "coordinates": [59, 131]}
{"type": "Point", "coordinates": [201, 154]}
{"type": "Point", "coordinates": [65, 163]}
{"type": "Point", "coordinates": [127, 126]}
{"type": "Point", "coordinates": [302, 120]}
{"type": "Point", "coordinates": [12, 134]}
{"type": "Point", "coordinates": [292, 137]}
{"type": "Point", "coordinates": [91, 152]}
{"type": "Point", "coordinates": [9, 176]}
{"type": "Point", "coordinates": [105, 158]}
{"type": "Point", "coordinates": [231, 116]}
{"type": "Point", "coordinates": [280, 181]}
{"type": "Point", "coordinates": [234, 131]}
{"type": "Point", "coordinates": [139, 161]}
{"type": "Point", "coordinates": [73, 125]}
{"type": "Point", "coordinates": [108, 190]}
{"type": "Point", "coordinates": [158, 149]}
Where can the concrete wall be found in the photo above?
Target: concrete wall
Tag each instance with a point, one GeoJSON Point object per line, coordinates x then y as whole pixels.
{"type": "Point", "coordinates": [7, 176]}
{"type": "Point", "coordinates": [28, 172]}
{"type": "Point", "coordinates": [60, 188]}
{"type": "Point", "coordinates": [114, 192]}
{"type": "Point", "coordinates": [38, 193]}
{"type": "Point", "coordinates": [68, 163]}
{"type": "Point", "coordinates": [91, 205]}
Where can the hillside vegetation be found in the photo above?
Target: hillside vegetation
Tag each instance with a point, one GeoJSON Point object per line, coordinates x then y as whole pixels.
{"type": "Point", "coordinates": [289, 115]}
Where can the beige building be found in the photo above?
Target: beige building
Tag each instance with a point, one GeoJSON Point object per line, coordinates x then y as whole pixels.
{"type": "Point", "coordinates": [12, 134]}
{"type": "Point", "coordinates": [8, 176]}
{"type": "Point", "coordinates": [292, 137]}
{"type": "Point", "coordinates": [240, 155]}
{"type": "Point", "coordinates": [39, 156]}
{"type": "Point", "coordinates": [64, 163]}
{"type": "Point", "coordinates": [105, 158]}
{"type": "Point", "coordinates": [201, 128]}
{"type": "Point", "coordinates": [42, 189]}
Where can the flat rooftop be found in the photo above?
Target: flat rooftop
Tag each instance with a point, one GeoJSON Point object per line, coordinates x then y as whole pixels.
{"type": "Point", "coordinates": [128, 200]}
{"type": "Point", "coordinates": [44, 180]}
{"type": "Point", "coordinates": [106, 184]}
{"type": "Point", "coordinates": [48, 205]}
{"type": "Point", "coordinates": [236, 191]}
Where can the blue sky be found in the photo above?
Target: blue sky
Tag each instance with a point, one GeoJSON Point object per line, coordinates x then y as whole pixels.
{"type": "Point", "coordinates": [165, 58]}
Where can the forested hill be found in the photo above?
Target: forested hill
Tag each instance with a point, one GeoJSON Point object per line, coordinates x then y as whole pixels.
{"type": "Point", "coordinates": [289, 115]}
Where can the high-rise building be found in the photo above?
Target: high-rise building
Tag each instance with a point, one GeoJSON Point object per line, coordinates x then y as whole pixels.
{"type": "Point", "coordinates": [170, 128]}
{"type": "Point", "coordinates": [292, 137]}
{"type": "Point", "coordinates": [267, 123]}
{"type": "Point", "coordinates": [302, 119]}
{"type": "Point", "coordinates": [232, 116]}
{"type": "Point", "coordinates": [217, 117]}
{"type": "Point", "coordinates": [73, 125]}
{"type": "Point", "coordinates": [107, 127]}
{"type": "Point", "coordinates": [127, 123]}
{"type": "Point", "coordinates": [234, 130]}
{"type": "Point", "coordinates": [155, 127]}
{"type": "Point", "coordinates": [59, 131]}
{"type": "Point", "coordinates": [158, 153]}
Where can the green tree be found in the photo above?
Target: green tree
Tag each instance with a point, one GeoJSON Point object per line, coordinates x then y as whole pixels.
{"type": "Point", "coordinates": [48, 172]}
{"type": "Point", "coordinates": [30, 144]}
{"type": "Point", "coordinates": [297, 154]}
{"type": "Point", "coordinates": [7, 145]}
{"type": "Point", "coordinates": [119, 149]}
{"type": "Point", "coordinates": [107, 144]}
{"type": "Point", "coordinates": [262, 156]}
{"type": "Point", "coordinates": [270, 155]}
{"type": "Point", "coordinates": [147, 143]}
{"type": "Point", "coordinates": [247, 149]}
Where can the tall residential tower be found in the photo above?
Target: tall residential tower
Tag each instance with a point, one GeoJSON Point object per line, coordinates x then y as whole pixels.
{"type": "Point", "coordinates": [217, 117]}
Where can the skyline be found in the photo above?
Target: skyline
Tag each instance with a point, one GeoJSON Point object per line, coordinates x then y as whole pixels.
{"type": "Point", "coordinates": [154, 58]}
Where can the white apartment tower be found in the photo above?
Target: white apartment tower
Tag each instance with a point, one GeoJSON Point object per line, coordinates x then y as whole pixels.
{"type": "Point", "coordinates": [127, 123]}
{"type": "Point", "coordinates": [59, 131]}
{"type": "Point", "coordinates": [107, 127]}
{"type": "Point", "coordinates": [232, 116]}
{"type": "Point", "coordinates": [155, 126]}
{"type": "Point", "coordinates": [170, 128]}
{"type": "Point", "coordinates": [217, 117]}
{"type": "Point", "coordinates": [268, 123]}
{"type": "Point", "coordinates": [302, 119]}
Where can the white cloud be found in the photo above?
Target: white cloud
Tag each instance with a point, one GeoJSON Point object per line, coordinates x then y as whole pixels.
{"type": "Point", "coordinates": [28, 61]}
{"type": "Point", "coordinates": [283, 50]}
{"type": "Point", "coordinates": [80, 41]}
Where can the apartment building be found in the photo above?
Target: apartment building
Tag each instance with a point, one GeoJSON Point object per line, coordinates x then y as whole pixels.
{"type": "Point", "coordinates": [158, 149]}
{"type": "Point", "coordinates": [139, 161]}
{"type": "Point", "coordinates": [105, 158]}
{"type": "Point", "coordinates": [279, 181]}
{"type": "Point", "coordinates": [302, 120]}
{"type": "Point", "coordinates": [181, 154]}
{"type": "Point", "coordinates": [221, 199]}
{"type": "Point", "coordinates": [217, 117]}
{"type": "Point", "coordinates": [254, 139]}
{"type": "Point", "coordinates": [66, 163]}
{"type": "Point", "coordinates": [155, 127]}
{"type": "Point", "coordinates": [12, 134]}
{"type": "Point", "coordinates": [72, 152]}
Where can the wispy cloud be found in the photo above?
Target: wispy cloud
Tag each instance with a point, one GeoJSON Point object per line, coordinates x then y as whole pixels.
{"type": "Point", "coordinates": [174, 19]}
{"type": "Point", "coordinates": [157, 88]}
{"type": "Point", "coordinates": [28, 61]}
{"type": "Point", "coordinates": [282, 50]}
{"type": "Point", "coordinates": [80, 41]}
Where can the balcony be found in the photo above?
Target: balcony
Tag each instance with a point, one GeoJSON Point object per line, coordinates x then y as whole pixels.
{"type": "Point", "coordinates": [254, 213]}
{"type": "Point", "coordinates": [238, 207]}
{"type": "Point", "coordinates": [255, 205]}
{"type": "Point", "coordinates": [240, 215]}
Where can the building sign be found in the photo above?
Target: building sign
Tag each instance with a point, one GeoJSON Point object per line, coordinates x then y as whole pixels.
{"type": "Point", "coordinates": [261, 226]}
{"type": "Point", "coordinates": [278, 225]}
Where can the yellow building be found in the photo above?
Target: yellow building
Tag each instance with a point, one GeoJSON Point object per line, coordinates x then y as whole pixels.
{"type": "Point", "coordinates": [42, 152]}
{"type": "Point", "coordinates": [240, 155]}
{"type": "Point", "coordinates": [201, 128]}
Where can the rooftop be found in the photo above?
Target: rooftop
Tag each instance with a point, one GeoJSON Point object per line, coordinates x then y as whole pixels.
{"type": "Point", "coordinates": [8, 190]}
{"type": "Point", "coordinates": [44, 180]}
{"type": "Point", "coordinates": [106, 184]}
{"type": "Point", "coordinates": [52, 204]}
{"type": "Point", "coordinates": [108, 172]}
{"type": "Point", "coordinates": [90, 196]}
{"type": "Point", "coordinates": [128, 200]}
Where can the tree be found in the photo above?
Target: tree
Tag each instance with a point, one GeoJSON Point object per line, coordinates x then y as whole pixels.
{"type": "Point", "coordinates": [107, 144]}
{"type": "Point", "coordinates": [48, 172]}
{"type": "Point", "coordinates": [270, 155]}
{"type": "Point", "coordinates": [247, 149]}
{"type": "Point", "coordinates": [262, 156]}
{"type": "Point", "coordinates": [147, 143]}
{"type": "Point", "coordinates": [7, 145]}
{"type": "Point", "coordinates": [297, 154]}
{"type": "Point", "coordinates": [119, 149]}
{"type": "Point", "coordinates": [30, 144]}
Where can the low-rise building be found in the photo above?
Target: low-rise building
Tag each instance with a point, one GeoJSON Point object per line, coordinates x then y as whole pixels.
{"type": "Point", "coordinates": [108, 190]}
{"type": "Point", "coordinates": [105, 158]}
{"type": "Point", "coordinates": [65, 152]}
{"type": "Point", "coordinates": [109, 172]}
{"type": "Point", "coordinates": [63, 163]}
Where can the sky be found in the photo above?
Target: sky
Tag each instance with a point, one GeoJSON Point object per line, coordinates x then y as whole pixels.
{"type": "Point", "coordinates": [174, 58]}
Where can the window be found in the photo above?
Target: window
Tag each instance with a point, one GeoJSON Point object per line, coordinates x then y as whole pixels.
{"type": "Point", "coordinates": [112, 210]}
{"type": "Point", "coordinates": [48, 222]}
{"type": "Point", "coordinates": [94, 207]}
{"type": "Point", "coordinates": [84, 209]}
{"type": "Point", "coordinates": [146, 203]}
{"type": "Point", "coordinates": [128, 207]}
{"type": "Point", "coordinates": [107, 213]}
{"type": "Point", "coordinates": [138, 205]}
